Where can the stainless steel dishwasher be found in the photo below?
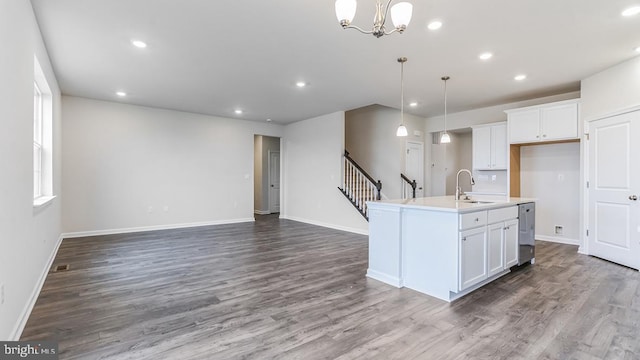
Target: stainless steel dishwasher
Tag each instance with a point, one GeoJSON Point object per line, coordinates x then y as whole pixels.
{"type": "Point", "coordinates": [527, 233]}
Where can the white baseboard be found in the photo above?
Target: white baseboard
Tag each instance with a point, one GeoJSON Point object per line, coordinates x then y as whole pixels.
{"type": "Point", "coordinates": [559, 240]}
{"type": "Point", "coordinates": [261, 212]}
{"type": "Point", "coordinates": [391, 280]}
{"type": "Point", "coordinates": [152, 228]}
{"type": "Point", "coordinates": [26, 312]}
{"type": "Point", "coordinates": [330, 226]}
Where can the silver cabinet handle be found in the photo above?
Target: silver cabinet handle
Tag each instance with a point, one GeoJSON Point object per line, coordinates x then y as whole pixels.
{"type": "Point", "coordinates": [633, 197]}
{"type": "Point", "coordinates": [477, 219]}
{"type": "Point", "coordinates": [464, 238]}
{"type": "Point", "coordinates": [545, 135]}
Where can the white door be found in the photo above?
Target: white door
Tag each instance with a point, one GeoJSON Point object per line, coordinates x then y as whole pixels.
{"type": "Point", "coordinates": [495, 255]}
{"type": "Point", "coordinates": [511, 243]}
{"type": "Point", "coordinates": [614, 231]}
{"type": "Point", "coordinates": [473, 257]}
{"type": "Point", "coordinates": [274, 181]}
{"type": "Point", "coordinates": [415, 165]}
{"type": "Point", "coordinates": [481, 144]}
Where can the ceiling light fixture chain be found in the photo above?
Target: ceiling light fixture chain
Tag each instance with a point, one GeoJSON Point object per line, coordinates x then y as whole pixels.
{"type": "Point", "coordinates": [400, 15]}
{"type": "Point", "coordinates": [402, 130]}
{"type": "Point", "coordinates": [445, 138]}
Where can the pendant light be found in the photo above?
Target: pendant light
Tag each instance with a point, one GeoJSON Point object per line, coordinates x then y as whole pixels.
{"type": "Point", "coordinates": [402, 130]}
{"type": "Point", "coordinates": [445, 138]}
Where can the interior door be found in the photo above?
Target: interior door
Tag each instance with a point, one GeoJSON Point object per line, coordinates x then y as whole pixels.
{"type": "Point", "coordinates": [613, 191]}
{"type": "Point", "coordinates": [274, 181]}
{"type": "Point", "coordinates": [415, 165]}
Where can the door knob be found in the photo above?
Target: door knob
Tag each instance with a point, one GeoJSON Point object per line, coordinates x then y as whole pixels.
{"type": "Point", "coordinates": [633, 197]}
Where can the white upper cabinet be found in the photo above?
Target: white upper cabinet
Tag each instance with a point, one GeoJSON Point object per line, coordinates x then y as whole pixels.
{"type": "Point", "coordinates": [548, 122]}
{"type": "Point", "coordinates": [490, 147]}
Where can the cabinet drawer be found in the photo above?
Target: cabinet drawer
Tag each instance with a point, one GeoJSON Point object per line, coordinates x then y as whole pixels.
{"type": "Point", "coordinates": [473, 219]}
{"type": "Point", "coordinates": [502, 214]}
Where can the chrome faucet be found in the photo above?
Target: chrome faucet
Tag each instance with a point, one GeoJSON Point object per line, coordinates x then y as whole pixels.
{"type": "Point", "coordinates": [458, 189]}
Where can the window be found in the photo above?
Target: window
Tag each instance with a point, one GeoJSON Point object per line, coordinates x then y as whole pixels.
{"type": "Point", "coordinates": [42, 138]}
{"type": "Point", "coordinates": [37, 141]}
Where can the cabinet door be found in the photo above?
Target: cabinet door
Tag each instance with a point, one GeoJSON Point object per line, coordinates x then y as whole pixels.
{"type": "Point", "coordinates": [499, 146]}
{"type": "Point", "coordinates": [524, 126]}
{"type": "Point", "coordinates": [511, 243]}
{"type": "Point", "coordinates": [495, 254]}
{"type": "Point", "coordinates": [473, 257]}
{"type": "Point", "coordinates": [482, 158]}
{"type": "Point", "coordinates": [559, 122]}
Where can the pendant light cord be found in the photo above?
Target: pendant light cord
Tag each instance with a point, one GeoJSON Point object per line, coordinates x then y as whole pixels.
{"type": "Point", "coordinates": [402, 93]}
{"type": "Point", "coordinates": [445, 78]}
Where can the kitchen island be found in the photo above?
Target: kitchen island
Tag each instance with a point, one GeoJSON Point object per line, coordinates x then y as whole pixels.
{"type": "Point", "coordinates": [440, 246]}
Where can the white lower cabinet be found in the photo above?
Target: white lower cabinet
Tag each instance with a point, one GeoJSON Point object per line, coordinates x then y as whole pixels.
{"type": "Point", "coordinates": [487, 250]}
{"type": "Point", "coordinates": [473, 257]}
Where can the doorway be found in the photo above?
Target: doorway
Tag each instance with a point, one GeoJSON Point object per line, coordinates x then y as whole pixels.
{"type": "Point", "coordinates": [266, 175]}
{"type": "Point", "coordinates": [414, 165]}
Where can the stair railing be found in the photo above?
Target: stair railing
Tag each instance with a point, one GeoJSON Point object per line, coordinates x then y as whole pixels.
{"type": "Point", "coordinates": [358, 186]}
{"type": "Point", "coordinates": [411, 183]}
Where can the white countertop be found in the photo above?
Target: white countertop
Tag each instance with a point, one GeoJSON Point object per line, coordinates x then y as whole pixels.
{"type": "Point", "coordinates": [449, 204]}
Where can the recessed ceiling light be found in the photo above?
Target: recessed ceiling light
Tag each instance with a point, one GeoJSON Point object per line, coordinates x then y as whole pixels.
{"type": "Point", "coordinates": [139, 44]}
{"type": "Point", "coordinates": [485, 56]}
{"type": "Point", "coordinates": [637, 49]}
{"type": "Point", "coordinates": [269, 120]}
{"type": "Point", "coordinates": [301, 84]}
{"type": "Point", "coordinates": [631, 11]}
{"type": "Point", "coordinates": [434, 25]}
{"type": "Point", "coordinates": [413, 104]}
{"type": "Point", "coordinates": [238, 111]}
{"type": "Point", "coordinates": [121, 93]}
{"type": "Point", "coordinates": [520, 77]}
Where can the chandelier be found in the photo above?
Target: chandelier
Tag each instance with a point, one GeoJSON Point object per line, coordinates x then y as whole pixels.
{"type": "Point", "coordinates": [400, 15]}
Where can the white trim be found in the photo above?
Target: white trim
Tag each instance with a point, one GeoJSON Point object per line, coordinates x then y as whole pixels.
{"type": "Point", "coordinates": [261, 212]}
{"type": "Point", "coordinates": [559, 240]}
{"type": "Point", "coordinates": [26, 312]}
{"type": "Point", "coordinates": [612, 113]}
{"type": "Point", "coordinates": [42, 201]}
{"type": "Point", "coordinates": [152, 228]}
{"type": "Point", "coordinates": [540, 106]}
{"type": "Point", "coordinates": [330, 226]}
{"type": "Point", "coordinates": [390, 280]}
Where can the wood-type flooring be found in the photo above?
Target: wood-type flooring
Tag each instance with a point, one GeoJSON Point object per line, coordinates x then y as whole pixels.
{"type": "Point", "coordinates": [279, 289]}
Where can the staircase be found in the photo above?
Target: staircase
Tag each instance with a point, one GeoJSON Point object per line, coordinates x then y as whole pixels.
{"type": "Point", "coordinates": [358, 186]}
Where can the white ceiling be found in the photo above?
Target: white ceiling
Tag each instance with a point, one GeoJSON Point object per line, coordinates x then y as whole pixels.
{"type": "Point", "coordinates": [212, 57]}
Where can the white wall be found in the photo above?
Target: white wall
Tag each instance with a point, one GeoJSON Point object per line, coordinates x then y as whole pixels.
{"type": "Point", "coordinates": [312, 171]}
{"type": "Point", "coordinates": [370, 138]}
{"type": "Point", "coordinates": [614, 89]}
{"type": "Point", "coordinates": [551, 174]}
{"type": "Point", "coordinates": [263, 145]}
{"type": "Point", "coordinates": [131, 167]}
{"type": "Point", "coordinates": [479, 116]}
{"type": "Point", "coordinates": [28, 237]}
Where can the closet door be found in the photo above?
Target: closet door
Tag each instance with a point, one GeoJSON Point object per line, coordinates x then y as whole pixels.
{"type": "Point", "coordinates": [614, 177]}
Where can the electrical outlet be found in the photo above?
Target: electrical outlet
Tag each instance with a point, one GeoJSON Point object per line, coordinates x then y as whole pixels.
{"type": "Point", "coordinates": [558, 229]}
{"type": "Point", "coordinates": [1, 294]}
